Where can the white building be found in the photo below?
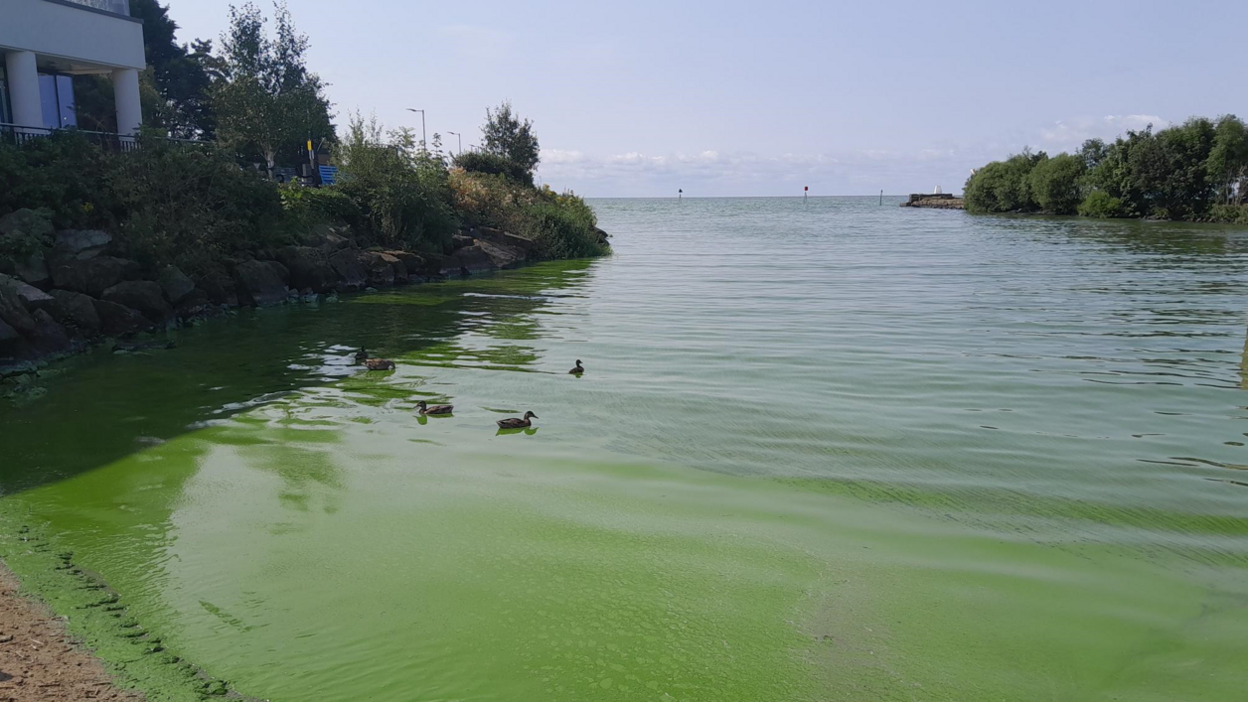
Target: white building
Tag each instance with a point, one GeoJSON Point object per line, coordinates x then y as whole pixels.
{"type": "Point", "coordinates": [46, 42]}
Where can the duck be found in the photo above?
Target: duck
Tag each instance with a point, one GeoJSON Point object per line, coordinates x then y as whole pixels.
{"type": "Point", "coordinates": [578, 370]}
{"type": "Point", "coordinates": [379, 364]}
{"type": "Point", "coordinates": [436, 409]}
{"type": "Point", "coordinates": [514, 423]}
{"type": "Point", "coordinates": [361, 355]}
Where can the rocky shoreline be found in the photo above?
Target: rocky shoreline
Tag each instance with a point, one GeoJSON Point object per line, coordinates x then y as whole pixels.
{"type": "Point", "coordinates": [936, 202]}
{"type": "Point", "coordinates": [78, 293]}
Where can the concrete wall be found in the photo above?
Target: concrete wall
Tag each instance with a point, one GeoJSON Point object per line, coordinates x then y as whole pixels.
{"type": "Point", "coordinates": [72, 34]}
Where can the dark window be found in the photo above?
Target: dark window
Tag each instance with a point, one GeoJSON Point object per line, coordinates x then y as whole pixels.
{"type": "Point", "coordinates": [6, 115]}
{"type": "Point", "coordinates": [56, 97]}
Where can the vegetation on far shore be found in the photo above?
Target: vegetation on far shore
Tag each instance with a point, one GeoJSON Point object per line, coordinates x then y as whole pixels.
{"type": "Point", "coordinates": [1196, 171]}
{"type": "Point", "coordinates": [251, 105]}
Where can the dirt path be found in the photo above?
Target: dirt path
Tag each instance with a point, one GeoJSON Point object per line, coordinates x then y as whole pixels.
{"type": "Point", "coordinates": [38, 660]}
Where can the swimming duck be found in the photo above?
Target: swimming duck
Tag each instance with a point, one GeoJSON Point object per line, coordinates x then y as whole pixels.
{"type": "Point", "coordinates": [436, 409]}
{"type": "Point", "coordinates": [361, 355]}
{"type": "Point", "coordinates": [578, 370]}
{"type": "Point", "coordinates": [379, 364]}
{"type": "Point", "coordinates": [514, 423]}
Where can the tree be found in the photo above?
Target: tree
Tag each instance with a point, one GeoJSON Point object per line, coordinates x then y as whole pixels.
{"type": "Point", "coordinates": [505, 135]}
{"type": "Point", "coordinates": [1055, 184]}
{"type": "Point", "coordinates": [1227, 166]}
{"type": "Point", "coordinates": [267, 101]}
{"type": "Point", "coordinates": [1003, 186]}
{"type": "Point", "coordinates": [174, 86]}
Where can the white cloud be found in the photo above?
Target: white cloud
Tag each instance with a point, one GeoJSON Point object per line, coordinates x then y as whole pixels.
{"type": "Point", "coordinates": [1070, 134]}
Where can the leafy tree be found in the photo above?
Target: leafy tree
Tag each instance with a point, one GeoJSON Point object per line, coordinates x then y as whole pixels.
{"type": "Point", "coordinates": [267, 101]}
{"type": "Point", "coordinates": [505, 135]}
{"type": "Point", "coordinates": [1227, 166]}
{"type": "Point", "coordinates": [493, 164]}
{"type": "Point", "coordinates": [174, 86]}
{"type": "Point", "coordinates": [1056, 184]}
{"type": "Point", "coordinates": [1003, 186]}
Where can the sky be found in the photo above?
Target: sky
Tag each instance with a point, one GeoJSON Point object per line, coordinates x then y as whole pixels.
{"type": "Point", "coordinates": [641, 98]}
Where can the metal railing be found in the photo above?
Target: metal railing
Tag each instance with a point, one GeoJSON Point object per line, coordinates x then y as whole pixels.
{"type": "Point", "coordinates": [116, 7]}
{"type": "Point", "coordinates": [18, 135]}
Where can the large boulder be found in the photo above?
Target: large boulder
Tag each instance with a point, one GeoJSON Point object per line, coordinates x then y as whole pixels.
{"type": "Point", "coordinates": [76, 310]}
{"type": "Point", "coordinates": [175, 284]}
{"type": "Point", "coordinates": [49, 338]}
{"type": "Point", "coordinates": [33, 298]}
{"type": "Point", "coordinates": [328, 239]}
{"type": "Point", "coordinates": [383, 269]}
{"type": "Point", "coordinates": [81, 244]}
{"type": "Point", "coordinates": [308, 268]}
{"type": "Point", "coordinates": [418, 266]}
{"type": "Point", "coordinates": [93, 276]}
{"type": "Point", "coordinates": [503, 255]}
{"type": "Point", "coordinates": [118, 320]}
{"type": "Point", "coordinates": [498, 236]}
{"type": "Point", "coordinates": [220, 288]}
{"type": "Point", "coordinates": [352, 274]}
{"type": "Point", "coordinates": [7, 334]}
{"type": "Point", "coordinates": [14, 313]}
{"type": "Point", "coordinates": [142, 295]}
{"type": "Point", "coordinates": [33, 227]}
{"type": "Point", "coordinates": [34, 270]}
{"type": "Point", "coordinates": [260, 284]}
{"type": "Point", "coordinates": [470, 259]}
{"type": "Point", "coordinates": [462, 241]}
{"type": "Point", "coordinates": [195, 305]}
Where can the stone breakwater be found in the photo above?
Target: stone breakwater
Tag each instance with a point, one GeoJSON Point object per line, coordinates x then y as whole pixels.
{"type": "Point", "coordinates": [63, 300]}
{"type": "Point", "coordinates": [936, 202]}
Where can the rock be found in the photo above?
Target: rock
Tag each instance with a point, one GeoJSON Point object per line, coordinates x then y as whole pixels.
{"type": "Point", "coordinates": [220, 289]}
{"type": "Point", "coordinates": [471, 259]}
{"type": "Point", "coordinates": [383, 269]}
{"type": "Point", "coordinates": [81, 244]}
{"type": "Point", "coordinates": [7, 333]}
{"type": "Point", "coordinates": [196, 304]}
{"type": "Point", "coordinates": [143, 296]}
{"type": "Point", "coordinates": [352, 275]}
{"type": "Point", "coordinates": [34, 270]}
{"type": "Point", "coordinates": [14, 313]}
{"type": "Point", "coordinates": [462, 241]}
{"type": "Point", "coordinates": [282, 271]}
{"type": "Point", "coordinates": [49, 338]}
{"type": "Point", "coordinates": [76, 310]}
{"type": "Point", "coordinates": [118, 320]}
{"type": "Point", "coordinates": [175, 284]}
{"type": "Point", "coordinates": [498, 236]}
{"type": "Point", "coordinates": [260, 284]}
{"type": "Point", "coordinates": [502, 255]}
{"type": "Point", "coordinates": [33, 298]}
{"type": "Point", "coordinates": [327, 239]}
{"type": "Point", "coordinates": [308, 268]}
{"type": "Point", "coordinates": [93, 276]}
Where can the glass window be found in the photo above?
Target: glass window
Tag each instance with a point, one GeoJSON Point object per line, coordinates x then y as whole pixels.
{"type": "Point", "coordinates": [6, 115]}
{"type": "Point", "coordinates": [65, 99]}
{"type": "Point", "coordinates": [56, 97]}
{"type": "Point", "coordinates": [47, 100]}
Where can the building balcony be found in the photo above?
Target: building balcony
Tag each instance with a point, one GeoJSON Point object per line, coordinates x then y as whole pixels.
{"type": "Point", "coordinates": [115, 7]}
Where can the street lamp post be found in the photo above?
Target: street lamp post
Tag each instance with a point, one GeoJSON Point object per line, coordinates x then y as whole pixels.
{"type": "Point", "coordinates": [460, 138]}
{"type": "Point", "coordinates": [424, 136]}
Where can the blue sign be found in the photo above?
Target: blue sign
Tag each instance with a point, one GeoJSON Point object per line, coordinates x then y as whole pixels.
{"type": "Point", "coordinates": [329, 175]}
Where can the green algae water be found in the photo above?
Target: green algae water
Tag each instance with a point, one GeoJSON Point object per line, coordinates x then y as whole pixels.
{"type": "Point", "coordinates": [831, 451]}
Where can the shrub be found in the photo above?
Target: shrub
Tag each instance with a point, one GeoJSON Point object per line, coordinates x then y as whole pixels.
{"type": "Point", "coordinates": [493, 164]}
{"type": "Point", "coordinates": [191, 206]}
{"type": "Point", "coordinates": [1102, 205]}
{"type": "Point", "coordinates": [564, 226]}
{"type": "Point", "coordinates": [1054, 184]}
{"type": "Point", "coordinates": [60, 174]}
{"type": "Point", "coordinates": [308, 207]}
{"type": "Point", "coordinates": [1229, 214]}
{"type": "Point", "coordinates": [1003, 186]}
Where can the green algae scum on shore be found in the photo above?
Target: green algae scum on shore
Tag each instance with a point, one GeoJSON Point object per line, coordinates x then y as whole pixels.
{"type": "Point", "coordinates": [824, 452]}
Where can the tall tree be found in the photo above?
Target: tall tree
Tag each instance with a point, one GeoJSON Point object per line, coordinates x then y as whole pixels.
{"type": "Point", "coordinates": [504, 134]}
{"type": "Point", "coordinates": [267, 101]}
{"type": "Point", "coordinates": [175, 84]}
